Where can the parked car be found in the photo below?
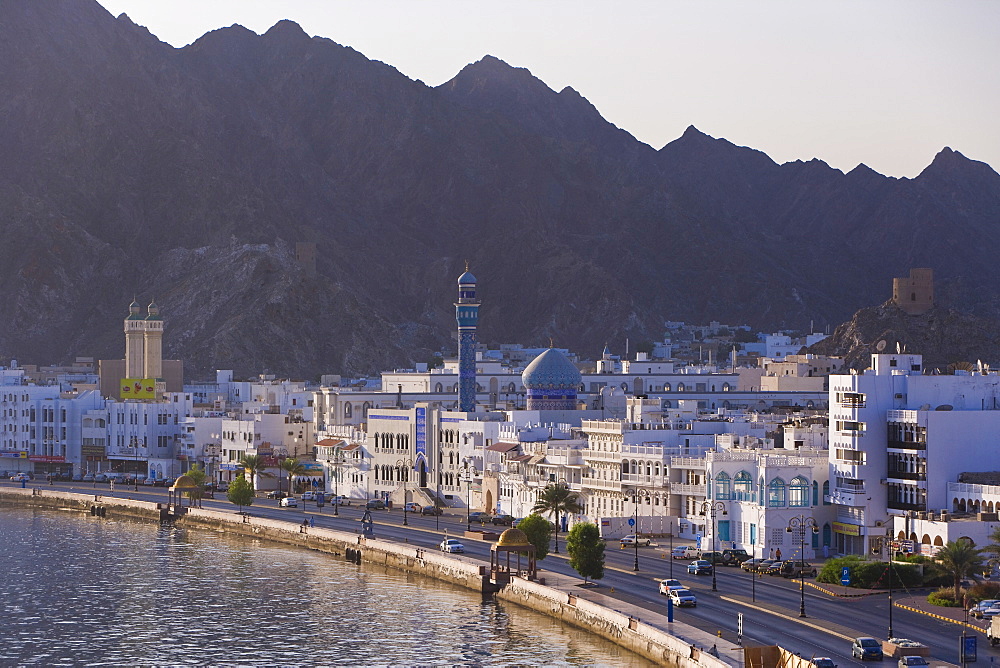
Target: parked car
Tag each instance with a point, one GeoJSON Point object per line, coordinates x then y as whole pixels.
{"type": "Point", "coordinates": [222, 486]}
{"type": "Point", "coordinates": [750, 564]}
{"type": "Point", "coordinates": [160, 482]}
{"type": "Point", "coordinates": [480, 517]}
{"type": "Point", "coordinates": [88, 477]}
{"type": "Point", "coordinates": [149, 482]}
{"type": "Point", "coordinates": [670, 583]}
{"type": "Point", "coordinates": [978, 609]}
{"type": "Point", "coordinates": [452, 545]}
{"type": "Point", "coordinates": [516, 521]}
{"type": "Point", "coordinates": [905, 661]}
{"type": "Point", "coordinates": [309, 496]}
{"type": "Point", "coordinates": [340, 500]}
{"type": "Point", "coordinates": [866, 648]}
{"type": "Point", "coordinates": [18, 477]}
{"type": "Point", "coordinates": [375, 504]}
{"type": "Point", "coordinates": [774, 568]}
{"type": "Point", "coordinates": [275, 494]}
{"type": "Point", "coordinates": [734, 557]}
{"type": "Point", "coordinates": [684, 552]}
{"type": "Point", "coordinates": [714, 557]}
{"type": "Point", "coordinates": [430, 510]}
{"type": "Point", "coordinates": [823, 662]}
{"type": "Point", "coordinates": [683, 598]}
{"type": "Point", "coordinates": [763, 565]}
{"type": "Point", "coordinates": [633, 539]}
{"type": "Point", "coordinates": [288, 502]}
{"type": "Point", "coordinates": [990, 613]}
{"type": "Point", "coordinates": [795, 569]}
{"type": "Point", "coordinates": [502, 520]}
{"type": "Point", "coordinates": [700, 567]}
{"type": "Point", "coordinates": [412, 507]}
{"type": "Point", "coordinates": [100, 477]}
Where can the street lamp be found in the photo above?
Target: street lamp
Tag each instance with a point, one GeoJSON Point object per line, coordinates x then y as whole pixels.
{"type": "Point", "coordinates": [338, 459]}
{"type": "Point", "coordinates": [712, 508]}
{"type": "Point", "coordinates": [761, 515]}
{"type": "Point", "coordinates": [135, 475]}
{"type": "Point", "coordinates": [404, 466]}
{"type": "Point", "coordinates": [560, 483]}
{"type": "Point", "coordinates": [470, 473]}
{"type": "Point", "coordinates": [800, 524]}
{"type": "Point", "coordinates": [636, 494]}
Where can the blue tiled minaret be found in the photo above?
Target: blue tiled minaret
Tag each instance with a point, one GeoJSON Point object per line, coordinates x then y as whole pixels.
{"type": "Point", "coordinates": [467, 315]}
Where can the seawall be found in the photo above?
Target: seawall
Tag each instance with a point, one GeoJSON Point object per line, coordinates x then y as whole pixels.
{"type": "Point", "coordinates": [637, 629]}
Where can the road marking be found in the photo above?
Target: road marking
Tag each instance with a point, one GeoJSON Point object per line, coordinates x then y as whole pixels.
{"type": "Point", "coordinates": [789, 618]}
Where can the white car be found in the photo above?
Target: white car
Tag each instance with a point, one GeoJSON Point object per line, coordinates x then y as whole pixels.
{"type": "Point", "coordinates": [289, 502]}
{"type": "Point", "coordinates": [683, 598]}
{"type": "Point", "coordinates": [452, 545]}
{"type": "Point", "coordinates": [309, 496]}
{"type": "Point", "coordinates": [18, 477]}
{"type": "Point", "coordinates": [670, 584]}
{"type": "Point", "coordinates": [632, 539]}
{"type": "Point", "coordinates": [684, 552]}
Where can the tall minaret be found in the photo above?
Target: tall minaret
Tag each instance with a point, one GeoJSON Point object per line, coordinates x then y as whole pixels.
{"type": "Point", "coordinates": [135, 327]}
{"type": "Point", "coordinates": [467, 315]}
{"type": "Point", "coordinates": [153, 344]}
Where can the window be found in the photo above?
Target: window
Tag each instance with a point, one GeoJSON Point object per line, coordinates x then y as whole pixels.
{"type": "Point", "coordinates": [723, 488]}
{"type": "Point", "coordinates": [777, 493]}
{"type": "Point", "coordinates": [851, 425]}
{"type": "Point", "coordinates": [826, 492]}
{"type": "Point", "coordinates": [851, 456]}
{"type": "Point", "coordinates": [798, 496]}
{"type": "Point", "coordinates": [744, 486]}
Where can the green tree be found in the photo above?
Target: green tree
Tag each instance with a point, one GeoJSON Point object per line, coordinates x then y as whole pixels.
{"type": "Point", "coordinates": [292, 467]}
{"type": "Point", "coordinates": [241, 492]}
{"type": "Point", "coordinates": [539, 533]}
{"type": "Point", "coordinates": [558, 500]}
{"type": "Point", "coordinates": [254, 466]}
{"type": "Point", "coordinates": [197, 475]}
{"type": "Point", "coordinates": [960, 560]}
{"type": "Point", "coordinates": [586, 551]}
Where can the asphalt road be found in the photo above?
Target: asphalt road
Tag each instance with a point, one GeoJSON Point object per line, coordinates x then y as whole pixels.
{"type": "Point", "coordinates": [826, 631]}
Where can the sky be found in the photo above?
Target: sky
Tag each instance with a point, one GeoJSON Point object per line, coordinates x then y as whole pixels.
{"type": "Point", "coordinates": [886, 83]}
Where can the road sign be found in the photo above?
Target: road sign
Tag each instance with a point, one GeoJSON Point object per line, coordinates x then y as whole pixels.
{"type": "Point", "coordinates": [845, 576]}
{"type": "Point", "coordinates": [968, 649]}
{"type": "Point", "coordinates": [631, 521]}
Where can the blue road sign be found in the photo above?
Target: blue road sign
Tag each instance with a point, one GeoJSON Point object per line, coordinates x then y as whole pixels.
{"type": "Point", "coordinates": [845, 576]}
{"type": "Point", "coordinates": [968, 649]}
{"type": "Point", "coordinates": [631, 521]}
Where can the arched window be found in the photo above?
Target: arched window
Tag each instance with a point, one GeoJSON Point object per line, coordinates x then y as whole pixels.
{"type": "Point", "coordinates": [723, 487]}
{"type": "Point", "coordinates": [744, 486]}
{"type": "Point", "coordinates": [666, 387]}
{"type": "Point", "coordinates": [680, 387]}
{"type": "Point", "coordinates": [815, 493]}
{"type": "Point", "coordinates": [826, 492]}
{"type": "Point", "coordinates": [777, 493]}
{"type": "Point", "coordinates": [625, 466]}
{"type": "Point", "coordinates": [439, 388]}
{"type": "Point", "coordinates": [725, 387]}
{"type": "Point", "coordinates": [798, 496]}
{"type": "Point", "coordinates": [347, 410]}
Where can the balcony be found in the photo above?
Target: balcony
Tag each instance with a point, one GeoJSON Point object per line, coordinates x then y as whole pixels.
{"type": "Point", "coordinates": [907, 445]}
{"type": "Point", "coordinates": [596, 483]}
{"type": "Point", "coordinates": [900, 505]}
{"type": "Point", "coordinates": [688, 490]}
{"type": "Point", "coordinates": [906, 475]}
{"type": "Point", "coordinates": [848, 496]}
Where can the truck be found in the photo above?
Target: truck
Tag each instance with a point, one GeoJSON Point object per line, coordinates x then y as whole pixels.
{"type": "Point", "coordinates": [993, 631]}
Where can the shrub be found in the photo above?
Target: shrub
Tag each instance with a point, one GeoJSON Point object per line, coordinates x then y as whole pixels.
{"type": "Point", "coordinates": [869, 574]}
{"type": "Point", "coordinates": [984, 590]}
{"type": "Point", "coordinates": [945, 596]}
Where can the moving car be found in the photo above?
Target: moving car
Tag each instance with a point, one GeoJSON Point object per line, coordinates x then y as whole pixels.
{"type": "Point", "coordinates": [275, 494]}
{"type": "Point", "coordinates": [430, 510]}
{"type": "Point", "coordinates": [700, 567]}
{"type": "Point", "coordinates": [18, 477]}
{"type": "Point", "coordinates": [375, 504]}
{"type": "Point", "coordinates": [411, 507]}
{"type": "Point", "coordinates": [503, 520]}
{"type": "Point", "coordinates": [905, 661]}
{"type": "Point", "coordinates": [669, 584]}
{"type": "Point", "coordinates": [823, 662]}
{"type": "Point", "coordinates": [340, 500]}
{"type": "Point", "coordinates": [452, 545]}
{"type": "Point", "coordinates": [309, 496]}
{"type": "Point", "coordinates": [865, 648]}
{"type": "Point", "coordinates": [683, 598]}
{"type": "Point", "coordinates": [684, 552]}
{"type": "Point", "coordinates": [289, 502]}
{"type": "Point", "coordinates": [633, 539]}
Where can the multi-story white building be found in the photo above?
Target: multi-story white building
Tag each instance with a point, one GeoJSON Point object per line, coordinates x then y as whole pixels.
{"type": "Point", "coordinates": [898, 436]}
{"type": "Point", "coordinates": [143, 436]}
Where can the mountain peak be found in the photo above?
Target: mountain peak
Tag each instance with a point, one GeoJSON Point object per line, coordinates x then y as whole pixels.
{"type": "Point", "coordinates": [286, 29]}
{"type": "Point", "coordinates": [951, 165]}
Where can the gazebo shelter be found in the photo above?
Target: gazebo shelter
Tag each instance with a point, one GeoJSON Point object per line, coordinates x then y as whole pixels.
{"type": "Point", "coordinates": [181, 485]}
{"type": "Point", "coordinates": [512, 542]}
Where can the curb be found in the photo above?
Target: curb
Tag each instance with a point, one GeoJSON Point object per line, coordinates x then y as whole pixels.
{"type": "Point", "coordinates": [833, 593]}
{"type": "Point", "coordinates": [969, 625]}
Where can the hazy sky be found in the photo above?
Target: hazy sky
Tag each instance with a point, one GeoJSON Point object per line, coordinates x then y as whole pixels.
{"type": "Point", "coordinates": [886, 83]}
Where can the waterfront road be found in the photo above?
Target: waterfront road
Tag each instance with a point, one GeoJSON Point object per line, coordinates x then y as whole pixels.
{"type": "Point", "coordinates": [772, 618]}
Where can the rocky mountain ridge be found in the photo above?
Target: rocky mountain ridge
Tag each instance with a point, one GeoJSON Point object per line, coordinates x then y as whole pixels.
{"type": "Point", "coordinates": [187, 175]}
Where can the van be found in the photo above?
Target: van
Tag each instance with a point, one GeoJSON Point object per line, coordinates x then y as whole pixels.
{"type": "Point", "coordinates": [684, 552]}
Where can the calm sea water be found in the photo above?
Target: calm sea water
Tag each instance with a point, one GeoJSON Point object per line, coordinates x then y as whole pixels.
{"type": "Point", "coordinates": [79, 590]}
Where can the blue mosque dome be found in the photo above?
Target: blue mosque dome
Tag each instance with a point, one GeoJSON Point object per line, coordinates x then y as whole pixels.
{"type": "Point", "coordinates": [466, 278]}
{"type": "Point", "coordinates": [552, 370]}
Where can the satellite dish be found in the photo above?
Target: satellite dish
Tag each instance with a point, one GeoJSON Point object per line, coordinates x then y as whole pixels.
{"type": "Point", "coordinates": [880, 346]}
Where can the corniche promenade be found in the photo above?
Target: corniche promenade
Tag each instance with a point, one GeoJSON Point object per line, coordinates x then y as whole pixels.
{"type": "Point", "coordinates": [637, 629]}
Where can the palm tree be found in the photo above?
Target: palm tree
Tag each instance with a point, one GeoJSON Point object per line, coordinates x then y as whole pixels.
{"type": "Point", "coordinates": [960, 560]}
{"type": "Point", "coordinates": [197, 475]}
{"type": "Point", "coordinates": [254, 466]}
{"type": "Point", "coordinates": [557, 499]}
{"type": "Point", "coordinates": [292, 467]}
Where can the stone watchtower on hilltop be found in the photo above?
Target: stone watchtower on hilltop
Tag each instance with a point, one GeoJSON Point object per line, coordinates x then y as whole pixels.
{"type": "Point", "coordinates": [915, 295]}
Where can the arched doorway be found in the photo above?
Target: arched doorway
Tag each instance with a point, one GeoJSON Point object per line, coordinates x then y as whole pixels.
{"type": "Point", "coordinates": [423, 473]}
{"type": "Point", "coordinates": [489, 500]}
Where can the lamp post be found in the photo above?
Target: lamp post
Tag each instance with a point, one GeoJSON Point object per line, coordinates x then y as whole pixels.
{"type": "Point", "coordinates": [636, 494]}
{"type": "Point", "coordinates": [404, 466]}
{"type": "Point", "coordinates": [338, 459]}
{"type": "Point", "coordinates": [800, 524]}
{"type": "Point", "coordinates": [470, 472]}
{"type": "Point", "coordinates": [560, 483]}
{"type": "Point", "coordinates": [712, 508]}
{"type": "Point", "coordinates": [761, 515]}
{"type": "Point", "coordinates": [135, 475]}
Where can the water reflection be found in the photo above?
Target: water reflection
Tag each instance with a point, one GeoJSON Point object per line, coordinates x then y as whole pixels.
{"type": "Point", "coordinates": [85, 591]}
